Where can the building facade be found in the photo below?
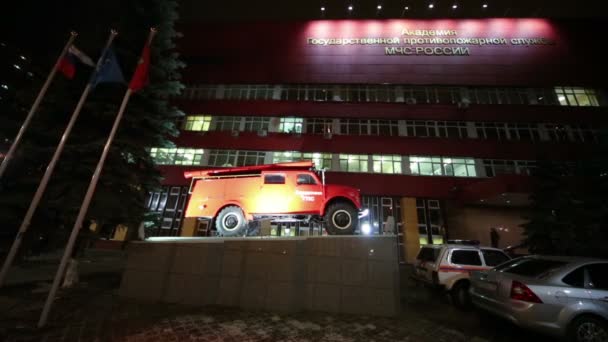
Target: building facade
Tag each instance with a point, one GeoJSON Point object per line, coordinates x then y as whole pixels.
{"type": "Point", "coordinates": [439, 122]}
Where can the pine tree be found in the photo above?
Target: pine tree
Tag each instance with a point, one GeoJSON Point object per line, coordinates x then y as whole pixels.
{"type": "Point", "coordinates": [569, 214]}
{"type": "Point", "coordinates": [149, 120]}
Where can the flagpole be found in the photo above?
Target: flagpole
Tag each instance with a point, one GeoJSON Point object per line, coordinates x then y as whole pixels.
{"type": "Point", "coordinates": [85, 204]}
{"type": "Point", "coordinates": [49, 171]}
{"type": "Point", "coordinates": [30, 114]}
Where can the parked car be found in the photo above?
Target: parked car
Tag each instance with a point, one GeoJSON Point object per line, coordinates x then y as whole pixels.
{"type": "Point", "coordinates": [448, 267]}
{"type": "Point", "coordinates": [560, 296]}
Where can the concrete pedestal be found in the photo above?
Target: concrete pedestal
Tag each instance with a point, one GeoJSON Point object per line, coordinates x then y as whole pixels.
{"type": "Point", "coordinates": [342, 274]}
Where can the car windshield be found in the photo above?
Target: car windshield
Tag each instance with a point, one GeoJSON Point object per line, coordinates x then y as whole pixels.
{"type": "Point", "coordinates": [530, 267]}
{"type": "Point", "coordinates": [428, 254]}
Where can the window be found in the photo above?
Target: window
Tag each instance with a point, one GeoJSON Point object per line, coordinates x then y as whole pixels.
{"type": "Point", "coordinates": [319, 125]}
{"type": "Point", "coordinates": [498, 167]}
{"type": "Point", "coordinates": [557, 132]}
{"type": "Point", "coordinates": [246, 158]}
{"type": "Point", "coordinates": [386, 164]}
{"type": "Point", "coordinates": [565, 96]}
{"type": "Point", "coordinates": [599, 276]}
{"type": "Point", "coordinates": [177, 156]}
{"type": "Point", "coordinates": [197, 123]}
{"type": "Point", "coordinates": [291, 125]}
{"type": "Point", "coordinates": [227, 123]}
{"type": "Point", "coordinates": [494, 258]}
{"type": "Point", "coordinates": [305, 178]}
{"type": "Point", "coordinates": [491, 130]}
{"type": "Point", "coordinates": [226, 158]}
{"type": "Point", "coordinates": [530, 267]}
{"type": "Point", "coordinates": [442, 166]}
{"type": "Point", "coordinates": [462, 257]}
{"type": "Point", "coordinates": [353, 162]}
{"type": "Point", "coordinates": [522, 131]}
{"type": "Point", "coordinates": [369, 127]}
{"type": "Point", "coordinates": [459, 167]}
{"type": "Point", "coordinates": [254, 124]}
{"type": "Point", "coordinates": [428, 254]}
{"type": "Point", "coordinates": [576, 96]}
{"type": "Point", "coordinates": [575, 278]}
{"type": "Point", "coordinates": [274, 179]}
{"type": "Point", "coordinates": [584, 133]}
{"type": "Point", "coordinates": [321, 160]}
{"type": "Point", "coordinates": [223, 158]}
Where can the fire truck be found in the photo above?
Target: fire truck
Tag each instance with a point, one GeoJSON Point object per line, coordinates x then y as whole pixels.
{"type": "Point", "coordinates": [234, 197]}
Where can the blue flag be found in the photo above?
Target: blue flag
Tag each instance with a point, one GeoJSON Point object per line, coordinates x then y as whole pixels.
{"type": "Point", "coordinates": [109, 70]}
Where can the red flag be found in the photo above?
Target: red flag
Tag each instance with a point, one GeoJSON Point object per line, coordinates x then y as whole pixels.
{"type": "Point", "coordinates": [140, 77]}
{"type": "Point", "coordinates": [67, 67]}
{"type": "Point", "coordinates": [67, 64]}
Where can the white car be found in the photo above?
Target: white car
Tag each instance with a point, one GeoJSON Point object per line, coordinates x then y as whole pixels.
{"type": "Point", "coordinates": [449, 267]}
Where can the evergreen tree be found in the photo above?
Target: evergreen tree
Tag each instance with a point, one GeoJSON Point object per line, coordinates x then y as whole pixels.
{"type": "Point", "coordinates": [149, 120]}
{"type": "Point", "coordinates": [569, 214]}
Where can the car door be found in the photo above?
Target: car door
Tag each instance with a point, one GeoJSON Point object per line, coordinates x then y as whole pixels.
{"type": "Point", "coordinates": [308, 194]}
{"type": "Point", "coordinates": [598, 286]}
{"type": "Point", "coordinates": [488, 281]}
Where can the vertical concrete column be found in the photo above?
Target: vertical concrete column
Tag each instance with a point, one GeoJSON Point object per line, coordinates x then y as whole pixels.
{"type": "Point", "coordinates": [411, 237]}
{"type": "Point", "coordinates": [120, 233]}
{"type": "Point", "coordinates": [189, 226]}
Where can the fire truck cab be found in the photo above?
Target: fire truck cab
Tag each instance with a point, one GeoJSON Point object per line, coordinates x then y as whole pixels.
{"type": "Point", "coordinates": [232, 197]}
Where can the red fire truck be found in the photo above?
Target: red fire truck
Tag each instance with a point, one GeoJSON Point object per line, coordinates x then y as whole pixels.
{"type": "Point", "coordinates": [232, 197]}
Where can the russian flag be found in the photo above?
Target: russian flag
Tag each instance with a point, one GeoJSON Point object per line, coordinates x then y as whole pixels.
{"type": "Point", "coordinates": [67, 65]}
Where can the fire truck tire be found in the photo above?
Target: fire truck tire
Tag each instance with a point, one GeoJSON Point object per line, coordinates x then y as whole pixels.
{"type": "Point", "coordinates": [341, 219]}
{"type": "Point", "coordinates": [231, 222]}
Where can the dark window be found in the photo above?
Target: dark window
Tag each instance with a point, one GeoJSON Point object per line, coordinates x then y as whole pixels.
{"type": "Point", "coordinates": [576, 278]}
{"type": "Point", "coordinates": [274, 179]}
{"type": "Point", "coordinates": [306, 179]}
{"type": "Point", "coordinates": [466, 257]}
{"type": "Point", "coordinates": [599, 276]}
{"type": "Point", "coordinates": [494, 258]}
{"type": "Point", "coordinates": [530, 267]}
{"type": "Point", "coordinates": [428, 254]}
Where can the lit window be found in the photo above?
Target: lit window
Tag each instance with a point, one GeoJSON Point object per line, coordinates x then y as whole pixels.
{"type": "Point", "coordinates": [442, 166]}
{"type": "Point", "coordinates": [353, 162]}
{"type": "Point", "coordinates": [291, 125]}
{"type": "Point", "coordinates": [576, 96]}
{"type": "Point", "coordinates": [321, 160]}
{"type": "Point", "coordinates": [177, 156]}
{"type": "Point", "coordinates": [197, 123]}
{"type": "Point", "coordinates": [386, 164]}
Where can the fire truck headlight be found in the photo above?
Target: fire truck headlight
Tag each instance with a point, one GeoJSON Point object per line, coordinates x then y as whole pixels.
{"type": "Point", "coordinates": [366, 228]}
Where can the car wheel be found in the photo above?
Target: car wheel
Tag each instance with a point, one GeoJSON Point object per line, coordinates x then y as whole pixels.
{"type": "Point", "coordinates": [588, 329]}
{"type": "Point", "coordinates": [341, 219]}
{"type": "Point", "coordinates": [460, 295]}
{"type": "Point", "coordinates": [231, 222]}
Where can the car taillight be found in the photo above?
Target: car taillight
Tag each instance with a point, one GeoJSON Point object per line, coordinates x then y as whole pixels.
{"type": "Point", "coordinates": [521, 292]}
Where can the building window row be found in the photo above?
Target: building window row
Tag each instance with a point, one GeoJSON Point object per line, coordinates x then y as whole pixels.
{"type": "Point", "coordinates": [464, 95]}
{"type": "Point", "coordinates": [376, 163]}
{"type": "Point", "coordinates": [409, 128]}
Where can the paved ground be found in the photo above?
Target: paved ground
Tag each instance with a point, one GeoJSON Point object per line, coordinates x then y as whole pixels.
{"type": "Point", "coordinates": [93, 312]}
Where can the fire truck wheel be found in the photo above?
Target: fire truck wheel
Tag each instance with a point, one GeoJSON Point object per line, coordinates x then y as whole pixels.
{"type": "Point", "coordinates": [231, 222]}
{"type": "Point", "coordinates": [341, 219]}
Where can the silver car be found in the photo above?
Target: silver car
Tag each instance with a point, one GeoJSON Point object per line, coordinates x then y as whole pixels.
{"type": "Point", "coordinates": [560, 296]}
